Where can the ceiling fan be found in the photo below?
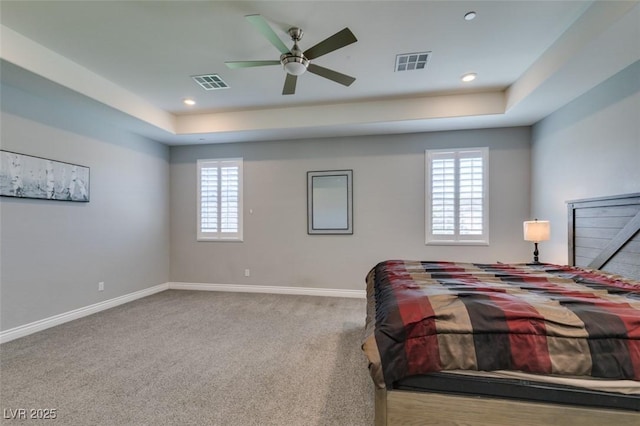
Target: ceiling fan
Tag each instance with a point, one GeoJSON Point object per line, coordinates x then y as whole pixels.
{"type": "Point", "coordinates": [294, 60]}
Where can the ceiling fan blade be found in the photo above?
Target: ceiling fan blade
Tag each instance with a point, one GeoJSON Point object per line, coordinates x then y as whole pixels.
{"type": "Point", "coordinates": [336, 41]}
{"type": "Point", "coordinates": [249, 64]}
{"type": "Point", "coordinates": [290, 84]}
{"type": "Point", "coordinates": [260, 24]}
{"type": "Point", "coordinates": [343, 79]}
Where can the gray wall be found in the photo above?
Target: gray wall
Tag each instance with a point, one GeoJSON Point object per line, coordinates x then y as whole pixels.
{"type": "Point", "coordinates": [589, 148]}
{"type": "Point", "coordinates": [388, 208]}
{"type": "Point", "coordinates": [54, 253]}
{"type": "Point", "coordinates": [131, 237]}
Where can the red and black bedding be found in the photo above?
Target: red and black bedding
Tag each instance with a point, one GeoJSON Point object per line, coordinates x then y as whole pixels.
{"type": "Point", "coordinates": [426, 317]}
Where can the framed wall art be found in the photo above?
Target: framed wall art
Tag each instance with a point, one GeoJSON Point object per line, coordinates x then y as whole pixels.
{"type": "Point", "coordinates": [330, 202]}
{"type": "Point", "coordinates": [25, 176]}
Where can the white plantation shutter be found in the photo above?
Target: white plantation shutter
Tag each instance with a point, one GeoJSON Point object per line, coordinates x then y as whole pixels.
{"type": "Point", "coordinates": [443, 193]}
{"type": "Point", "coordinates": [456, 198]}
{"type": "Point", "coordinates": [471, 193]}
{"type": "Point", "coordinates": [229, 198]}
{"type": "Point", "coordinates": [220, 199]}
{"type": "Point", "coordinates": [208, 198]}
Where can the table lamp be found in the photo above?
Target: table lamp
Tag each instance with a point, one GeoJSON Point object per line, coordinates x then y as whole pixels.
{"type": "Point", "coordinates": [536, 231]}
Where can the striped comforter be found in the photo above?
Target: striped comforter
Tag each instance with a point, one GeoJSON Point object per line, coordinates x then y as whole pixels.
{"type": "Point", "coordinates": [545, 319]}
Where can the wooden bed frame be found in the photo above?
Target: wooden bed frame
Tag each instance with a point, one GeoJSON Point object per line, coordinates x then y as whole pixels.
{"type": "Point", "coordinates": [604, 233]}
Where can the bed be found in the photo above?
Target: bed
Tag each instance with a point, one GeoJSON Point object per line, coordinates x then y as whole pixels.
{"type": "Point", "coordinates": [503, 344]}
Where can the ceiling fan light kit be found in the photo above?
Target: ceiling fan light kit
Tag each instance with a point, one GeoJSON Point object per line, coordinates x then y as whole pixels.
{"type": "Point", "coordinates": [295, 62]}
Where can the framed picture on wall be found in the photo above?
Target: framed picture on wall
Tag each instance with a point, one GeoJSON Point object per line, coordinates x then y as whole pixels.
{"type": "Point", "coordinates": [330, 202]}
{"type": "Point", "coordinates": [26, 176]}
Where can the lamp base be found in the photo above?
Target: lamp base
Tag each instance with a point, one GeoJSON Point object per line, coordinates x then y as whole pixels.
{"type": "Point", "coordinates": [535, 254]}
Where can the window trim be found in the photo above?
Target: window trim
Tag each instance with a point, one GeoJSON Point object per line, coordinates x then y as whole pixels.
{"type": "Point", "coordinates": [219, 236]}
{"type": "Point", "coordinates": [457, 239]}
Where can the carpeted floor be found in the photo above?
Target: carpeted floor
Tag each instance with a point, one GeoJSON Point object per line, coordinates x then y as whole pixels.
{"type": "Point", "coordinates": [197, 358]}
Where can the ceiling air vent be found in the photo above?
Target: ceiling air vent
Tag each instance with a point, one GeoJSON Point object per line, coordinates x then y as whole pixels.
{"type": "Point", "coordinates": [210, 81]}
{"type": "Point", "coordinates": [412, 61]}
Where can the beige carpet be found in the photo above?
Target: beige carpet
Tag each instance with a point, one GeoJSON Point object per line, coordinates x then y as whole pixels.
{"type": "Point", "coordinates": [197, 358]}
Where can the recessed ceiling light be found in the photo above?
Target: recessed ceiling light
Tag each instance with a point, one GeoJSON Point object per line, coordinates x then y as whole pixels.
{"type": "Point", "coordinates": [189, 102]}
{"type": "Point", "coordinates": [469, 16]}
{"type": "Point", "coordinates": [469, 77]}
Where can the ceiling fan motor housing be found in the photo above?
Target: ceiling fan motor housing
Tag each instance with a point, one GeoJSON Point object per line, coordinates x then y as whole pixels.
{"type": "Point", "coordinates": [294, 64]}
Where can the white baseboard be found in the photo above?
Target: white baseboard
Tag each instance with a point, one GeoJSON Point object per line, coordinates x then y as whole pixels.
{"type": "Point", "coordinates": [242, 288]}
{"type": "Point", "coordinates": [24, 330]}
{"type": "Point", "coordinates": [43, 324]}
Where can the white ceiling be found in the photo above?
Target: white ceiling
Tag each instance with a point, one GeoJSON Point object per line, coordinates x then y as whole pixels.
{"type": "Point", "coordinates": [135, 58]}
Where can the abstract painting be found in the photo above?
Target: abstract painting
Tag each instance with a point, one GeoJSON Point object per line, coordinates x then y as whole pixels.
{"type": "Point", "coordinates": [25, 176]}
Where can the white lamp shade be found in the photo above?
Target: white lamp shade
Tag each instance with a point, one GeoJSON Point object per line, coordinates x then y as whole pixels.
{"type": "Point", "coordinates": [537, 230]}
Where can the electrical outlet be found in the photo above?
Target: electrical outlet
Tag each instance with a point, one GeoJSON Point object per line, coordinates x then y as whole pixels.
{"type": "Point", "coordinates": [247, 273]}
{"type": "Point", "coordinates": [101, 286]}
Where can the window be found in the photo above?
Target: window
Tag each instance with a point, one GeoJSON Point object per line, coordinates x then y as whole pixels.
{"type": "Point", "coordinates": [457, 196]}
{"type": "Point", "coordinates": [220, 199]}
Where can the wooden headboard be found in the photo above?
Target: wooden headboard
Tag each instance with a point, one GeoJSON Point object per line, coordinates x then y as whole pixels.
{"type": "Point", "coordinates": [604, 233]}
